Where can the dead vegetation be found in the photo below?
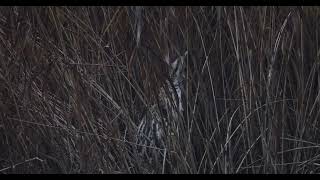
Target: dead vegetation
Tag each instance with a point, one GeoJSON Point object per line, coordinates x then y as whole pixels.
{"type": "Point", "coordinates": [75, 81]}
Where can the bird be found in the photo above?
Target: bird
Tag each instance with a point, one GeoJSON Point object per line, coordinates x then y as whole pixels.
{"type": "Point", "coordinates": [160, 120]}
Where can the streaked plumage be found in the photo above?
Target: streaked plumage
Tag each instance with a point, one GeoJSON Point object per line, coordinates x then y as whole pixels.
{"type": "Point", "coordinates": [159, 120]}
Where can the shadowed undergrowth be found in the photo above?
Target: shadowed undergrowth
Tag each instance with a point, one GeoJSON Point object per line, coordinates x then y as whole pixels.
{"type": "Point", "coordinates": [75, 82]}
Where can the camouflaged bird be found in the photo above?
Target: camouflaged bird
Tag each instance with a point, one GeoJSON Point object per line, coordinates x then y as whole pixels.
{"type": "Point", "coordinates": [160, 119]}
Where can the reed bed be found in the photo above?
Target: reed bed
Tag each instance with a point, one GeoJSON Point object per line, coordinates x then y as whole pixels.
{"type": "Point", "coordinates": [75, 81]}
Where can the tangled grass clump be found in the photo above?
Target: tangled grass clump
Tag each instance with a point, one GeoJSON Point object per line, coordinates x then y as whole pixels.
{"type": "Point", "coordinates": [75, 83]}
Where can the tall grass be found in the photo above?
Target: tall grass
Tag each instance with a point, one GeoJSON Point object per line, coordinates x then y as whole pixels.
{"type": "Point", "coordinates": [76, 81]}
